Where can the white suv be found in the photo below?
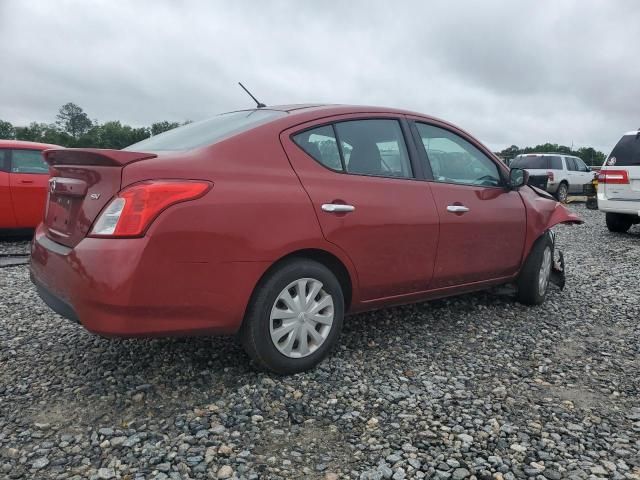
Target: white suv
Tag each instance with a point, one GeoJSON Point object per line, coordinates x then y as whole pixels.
{"type": "Point", "coordinates": [619, 184]}
{"type": "Point", "coordinates": [565, 174]}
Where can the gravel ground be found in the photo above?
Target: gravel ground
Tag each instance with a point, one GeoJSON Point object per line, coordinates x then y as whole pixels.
{"type": "Point", "coordinates": [471, 387]}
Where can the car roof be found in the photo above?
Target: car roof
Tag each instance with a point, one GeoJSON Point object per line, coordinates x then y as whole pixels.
{"type": "Point", "coordinates": [327, 109]}
{"type": "Point", "coordinates": [26, 145]}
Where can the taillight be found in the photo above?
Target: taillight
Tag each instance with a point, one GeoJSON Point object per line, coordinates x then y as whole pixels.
{"type": "Point", "coordinates": [613, 176]}
{"type": "Point", "coordinates": [550, 176]}
{"type": "Point", "coordinates": [131, 212]}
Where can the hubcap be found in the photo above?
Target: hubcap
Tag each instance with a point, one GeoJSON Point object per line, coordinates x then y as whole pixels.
{"type": "Point", "coordinates": [562, 194]}
{"type": "Point", "coordinates": [301, 318]}
{"type": "Point", "coordinates": [545, 271]}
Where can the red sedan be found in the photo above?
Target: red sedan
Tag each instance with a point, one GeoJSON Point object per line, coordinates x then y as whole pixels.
{"type": "Point", "coordinates": [274, 222]}
{"type": "Point", "coordinates": [24, 179]}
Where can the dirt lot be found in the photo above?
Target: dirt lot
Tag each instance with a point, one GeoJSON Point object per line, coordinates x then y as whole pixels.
{"type": "Point", "coordinates": [476, 386]}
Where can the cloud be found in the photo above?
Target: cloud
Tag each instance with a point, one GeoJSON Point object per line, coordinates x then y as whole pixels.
{"type": "Point", "coordinates": [520, 72]}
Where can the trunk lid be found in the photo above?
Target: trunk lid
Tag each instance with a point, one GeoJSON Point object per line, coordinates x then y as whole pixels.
{"type": "Point", "coordinates": [82, 182]}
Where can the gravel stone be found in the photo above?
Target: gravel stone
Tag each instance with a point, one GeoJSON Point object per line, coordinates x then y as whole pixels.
{"type": "Point", "coordinates": [472, 386]}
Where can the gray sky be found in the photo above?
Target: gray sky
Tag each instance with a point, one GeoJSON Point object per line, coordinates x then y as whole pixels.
{"type": "Point", "coordinates": [509, 72]}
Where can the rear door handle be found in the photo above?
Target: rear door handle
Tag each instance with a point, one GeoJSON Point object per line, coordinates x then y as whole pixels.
{"type": "Point", "coordinates": [337, 207]}
{"type": "Point", "coordinates": [457, 208]}
{"type": "Point", "coordinates": [26, 181]}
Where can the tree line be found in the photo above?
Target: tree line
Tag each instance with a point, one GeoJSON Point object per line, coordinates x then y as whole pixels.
{"type": "Point", "coordinates": [74, 128]}
{"type": "Point", "coordinates": [589, 155]}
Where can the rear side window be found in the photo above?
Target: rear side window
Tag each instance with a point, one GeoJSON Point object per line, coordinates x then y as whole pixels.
{"type": "Point", "coordinates": [626, 153]}
{"type": "Point", "coordinates": [321, 144]}
{"type": "Point", "coordinates": [28, 161]}
{"type": "Point", "coordinates": [374, 147]}
{"type": "Point", "coordinates": [571, 164]}
{"type": "Point", "coordinates": [206, 132]}
{"type": "Point", "coordinates": [555, 162]}
{"type": "Point", "coordinates": [361, 147]}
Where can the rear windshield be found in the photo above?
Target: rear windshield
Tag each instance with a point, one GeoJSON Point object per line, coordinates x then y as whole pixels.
{"type": "Point", "coordinates": [205, 132]}
{"type": "Point", "coordinates": [532, 162]}
{"type": "Point", "coordinates": [626, 152]}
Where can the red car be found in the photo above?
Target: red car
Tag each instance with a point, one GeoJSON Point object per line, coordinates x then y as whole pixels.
{"type": "Point", "coordinates": [24, 177]}
{"type": "Point", "coordinates": [273, 223]}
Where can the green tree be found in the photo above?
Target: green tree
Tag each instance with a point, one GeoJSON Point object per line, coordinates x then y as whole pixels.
{"type": "Point", "coordinates": [72, 120]}
{"type": "Point", "coordinates": [112, 135]}
{"type": "Point", "coordinates": [163, 126]}
{"type": "Point", "coordinates": [7, 132]}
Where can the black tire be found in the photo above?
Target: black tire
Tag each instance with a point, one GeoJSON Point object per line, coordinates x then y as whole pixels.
{"type": "Point", "coordinates": [562, 194]}
{"type": "Point", "coordinates": [619, 222]}
{"type": "Point", "coordinates": [255, 332]}
{"type": "Point", "coordinates": [529, 280]}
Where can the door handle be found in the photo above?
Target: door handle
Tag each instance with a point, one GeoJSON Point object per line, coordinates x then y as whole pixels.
{"type": "Point", "coordinates": [26, 181]}
{"type": "Point", "coordinates": [457, 208]}
{"type": "Point", "coordinates": [337, 207]}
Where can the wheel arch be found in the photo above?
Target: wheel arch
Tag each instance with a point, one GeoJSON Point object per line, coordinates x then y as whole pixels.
{"type": "Point", "coordinates": [324, 257]}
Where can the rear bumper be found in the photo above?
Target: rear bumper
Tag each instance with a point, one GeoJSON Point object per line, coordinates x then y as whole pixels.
{"type": "Point", "coordinates": [130, 288]}
{"type": "Point", "coordinates": [629, 207]}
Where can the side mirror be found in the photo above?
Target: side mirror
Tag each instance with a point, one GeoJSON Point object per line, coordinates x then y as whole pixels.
{"type": "Point", "coordinates": [517, 178]}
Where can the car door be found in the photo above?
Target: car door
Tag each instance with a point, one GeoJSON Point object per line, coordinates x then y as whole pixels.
{"type": "Point", "coordinates": [359, 177]}
{"type": "Point", "coordinates": [586, 175]}
{"type": "Point", "coordinates": [482, 224]}
{"type": "Point", "coordinates": [7, 218]}
{"type": "Point", "coordinates": [573, 175]}
{"type": "Point", "coordinates": [28, 182]}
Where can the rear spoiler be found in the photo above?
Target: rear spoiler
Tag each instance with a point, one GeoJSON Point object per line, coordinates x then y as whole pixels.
{"type": "Point", "coordinates": [93, 156]}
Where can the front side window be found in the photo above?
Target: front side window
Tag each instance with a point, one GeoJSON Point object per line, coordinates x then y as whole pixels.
{"type": "Point", "coordinates": [321, 144]}
{"type": "Point", "coordinates": [454, 160]}
{"type": "Point", "coordinates": [582, 167]}
{"type": "Point", "coordinates": [28, 161]}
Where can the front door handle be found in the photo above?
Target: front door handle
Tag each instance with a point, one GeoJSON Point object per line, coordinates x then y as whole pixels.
{"type": "Point", "coordinates": [457, 208]}
{"type": "Point", "coordinates": [26, 181]}
{"type": "Point", "coordinates": [337, 207]}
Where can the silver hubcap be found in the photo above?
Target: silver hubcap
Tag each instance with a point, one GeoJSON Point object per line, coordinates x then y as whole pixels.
{"type": "Point", "coordinates": [301, 318]}
{"type": "Point", "coordinates": [545, 271]}
{"type": "Point", "coordinates": [562, 194]}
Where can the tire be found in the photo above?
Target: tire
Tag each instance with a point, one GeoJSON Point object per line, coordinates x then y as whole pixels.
{"type": "Point", "coordinates": [562, 193]}
{"type": "Point", "coordinates": [618, 222]}
{"type": "Point", "coordinates": [270, 310]}
{"type": "Point", "coordinates": [532, 290]}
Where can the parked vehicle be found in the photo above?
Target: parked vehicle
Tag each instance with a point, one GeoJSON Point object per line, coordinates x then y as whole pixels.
{"type": "Point", "coordinates": [566, 174]}
{"type": "Point", "coordinates": [24, 177]}
{"type": "Point", "coordinates": [274, 222]}
{"type": "Point", "coordinates": [619, 184]}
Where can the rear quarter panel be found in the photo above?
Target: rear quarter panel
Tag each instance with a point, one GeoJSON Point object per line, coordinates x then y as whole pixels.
{"type": "Point", "coordinates": [256, 212]}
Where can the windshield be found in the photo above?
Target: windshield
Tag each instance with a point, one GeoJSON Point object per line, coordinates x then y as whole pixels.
{"type": "Point", "coordinates": [206, 132]}
{"type": "Point", "coordinates": [626, 153]}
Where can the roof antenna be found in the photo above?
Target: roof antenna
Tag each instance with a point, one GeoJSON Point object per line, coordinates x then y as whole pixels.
{"type": "Point", "coordinates": [259, 104]}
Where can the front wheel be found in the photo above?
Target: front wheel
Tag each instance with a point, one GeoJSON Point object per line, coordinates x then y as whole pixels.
{"type": "Point", "coordinates": [533, 281]}
{"type": "Point", "coordinates": [618, 222]}
{"type": "Point", "coordinates": [294, 318]}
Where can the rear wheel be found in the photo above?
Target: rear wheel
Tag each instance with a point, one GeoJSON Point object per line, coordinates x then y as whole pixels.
{"type": "Point", "coordinates": [533, 281]}
{"type": "Point", "coordinates": [618, 222]}
{"type": "Point", "coordinates": [294, 318]}
{"type": "Point", "coordinates": [563, 192]}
